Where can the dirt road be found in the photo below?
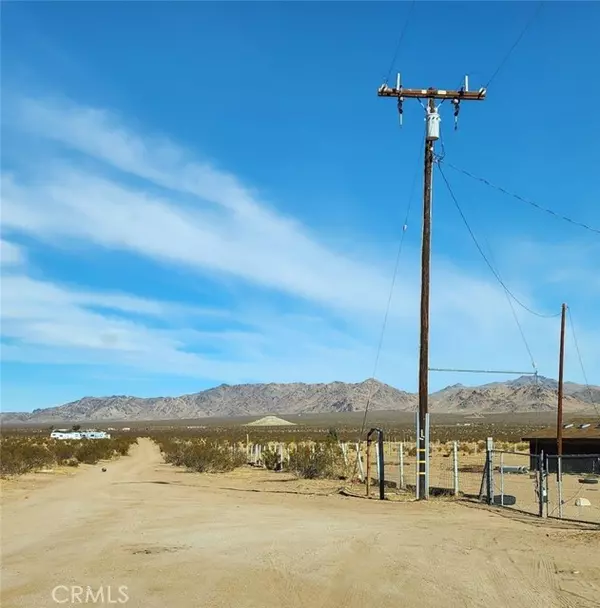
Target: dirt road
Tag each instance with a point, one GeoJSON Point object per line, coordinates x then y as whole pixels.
{"type": "Point", "coordinates": [175, 539]}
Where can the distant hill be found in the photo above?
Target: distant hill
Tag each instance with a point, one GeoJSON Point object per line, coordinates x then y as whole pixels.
{"type": "Point", "coordinates": [520, 395]}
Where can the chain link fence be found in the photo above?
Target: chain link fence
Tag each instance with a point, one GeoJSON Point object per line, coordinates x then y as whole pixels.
{"type": "Point", "coordinates": [546, 486]}
{"type": "Point", "coordinates": [515, 480]}
{"type": "Point", "coordinates": [565, 487]}
{"type": "Point", "coordinates": [574, 487]}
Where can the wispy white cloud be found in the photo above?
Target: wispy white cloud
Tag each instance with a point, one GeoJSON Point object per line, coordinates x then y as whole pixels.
{"type": "Point", "coordinates": [11, 254]}
{"type": "Point", "coordinates": [188, 213]}
{"type": "Point", "coordinates": [46, 322]}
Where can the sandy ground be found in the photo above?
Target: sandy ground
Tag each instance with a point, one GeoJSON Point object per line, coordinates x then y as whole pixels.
{"type": "Point", "coordinates": [253, 539]}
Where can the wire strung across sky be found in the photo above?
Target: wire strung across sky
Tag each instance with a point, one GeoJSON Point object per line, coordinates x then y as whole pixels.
{"type": "Point", "coordinates": [513, 311]}
{"type": "Point", "coordinates": [515, 44]}
{"type": "Point", "coordinates": [587, 384]}
{"type": "Point", "coordinates": [400, 39]}
{"type": "Point", "coordinates": [521, 198]}
{"type": "Point", "coordinates": [486, 260]}
{"type": "Point", "coordinates": [390, 295]}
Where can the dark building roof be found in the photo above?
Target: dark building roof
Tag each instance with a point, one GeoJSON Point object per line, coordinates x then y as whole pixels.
{"type": "Point", "coordinates": [583, 429]}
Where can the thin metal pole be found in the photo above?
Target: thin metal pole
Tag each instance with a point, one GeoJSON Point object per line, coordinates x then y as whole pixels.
{"type": "Point", "coordinates": [502, 478]}
{"type": "Point", "coordinates": [401, 463]}
{"type": "Point", "coordinates": [490, 470]}
{"type": "Point", "coordinates": [381, 465]}
{"type": "Point", "coordinates": [368, 467]}
{"type": "Point", "coordinates": [424, 329]}
{"type": "Point", "coordinates": [559, 486]}
{"type": "Point", "coordinates": [540, 484]}
{"type": "Point", "coordinates": [455, 467]}
{"type": "Point", "coordinates": [545, 486]}
{"type": "Point", "coordinates": [561, 366]}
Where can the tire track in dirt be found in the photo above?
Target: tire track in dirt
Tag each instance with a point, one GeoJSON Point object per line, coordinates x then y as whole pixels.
{"type": "Point", "coordinates": [179, 539]}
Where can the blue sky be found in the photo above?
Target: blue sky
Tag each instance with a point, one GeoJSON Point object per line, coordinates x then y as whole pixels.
{"type": "Point", "coordinates": [198, 193]}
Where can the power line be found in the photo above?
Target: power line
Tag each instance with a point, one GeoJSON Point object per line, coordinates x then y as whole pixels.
{"type": "Point", "coordinates": [522, 199]}
{"type": "Point", "coordinates": [480, 371]}
{"type": "Point", "coordinates": [514, 312]}
{"type": "Point", "coordinates": [515, 44]}
{"type": "Point", "coordinates": [400, 39]}
{"type": "Point", "coordinates": [587, 384]}
{"type": "Point", "coordinates": [481, 252]}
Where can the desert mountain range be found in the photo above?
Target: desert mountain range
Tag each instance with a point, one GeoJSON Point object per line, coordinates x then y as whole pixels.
{"type": "Point", "coordinates": [521, 395]}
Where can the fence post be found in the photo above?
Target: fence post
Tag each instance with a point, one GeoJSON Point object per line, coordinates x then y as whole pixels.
{"type": "Point", "coordinates": [540, 476]}
{"type": "Point", "coordinates": [401, 463]}
{"type": "Point", "coordinates": [345, 454]}
{"type": "Point", "coordinates": [545, 485]}
{"type": "Point", "coordinates": [361, 471]}
{"type": "Point", "coordinates": [490, 470]}
{"type": "Point", "coordinates": [378, 456]}
{"type": "Point", "coordinates": [368, 478]}
{"type": "Point", "coordinates": [455, 467]}
{"type": "Point", "coordinates": [559, 485]}
{"type": "Point", "coordinates": [502, 479]}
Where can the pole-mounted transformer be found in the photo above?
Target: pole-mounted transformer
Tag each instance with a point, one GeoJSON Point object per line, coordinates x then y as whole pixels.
{"type": "Point", "coordinates": [433, 124]}
{"type": "Point", "coordinates": [432, 134]}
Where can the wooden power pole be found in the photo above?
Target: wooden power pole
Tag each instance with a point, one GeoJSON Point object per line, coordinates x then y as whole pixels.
{"type": "Point", "coordinates": [561, 369]}
{"type": "Point", "coordinates": [431, 136]}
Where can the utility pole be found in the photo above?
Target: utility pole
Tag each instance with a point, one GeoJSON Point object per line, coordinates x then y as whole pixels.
{"type": "Point", "coordinates": [561, 369]}
{"type": "Point", "coordinates": [432, 134]}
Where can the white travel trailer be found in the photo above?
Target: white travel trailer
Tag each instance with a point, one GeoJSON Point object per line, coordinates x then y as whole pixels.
{"type": "Point", "coordinates": [64, 434]}
{"type": "Point", "coordinates": [89, 434]}
{"type": "Point", "coordinates": [95, 434]}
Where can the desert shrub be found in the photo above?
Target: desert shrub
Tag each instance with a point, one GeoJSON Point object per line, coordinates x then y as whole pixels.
{"type": "Point", "coordinates": [322, 462]}
{"type": "Point", "coordinates": [90, 452]}
{"type": "Point", "coordinates": [122, 445]}
{"type": "Point", "coordinates": [20, 453]}
{"type": "Point", "coordinates": [202, 457]}
{"type": "Point", "coordinates": [333, 435]}
{"type": "Point", "coordinates": [63, 450]}
{"type": "Point", "coordinates": [18, 457]}
{"type": "Point", "coordinates": [467, 448]}
{"type": "Point", "coordinates": [271, 459]}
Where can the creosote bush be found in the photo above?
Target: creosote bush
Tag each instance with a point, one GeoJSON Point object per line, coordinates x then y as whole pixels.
{"type": "Point", "coordinates": [324, 461]}
{"type": "Point", "coordinates": [200, 456]}
{"type": "Point", "coordinates": [271, 459]}
{"type": "Point", "coordinates": [21, 453]}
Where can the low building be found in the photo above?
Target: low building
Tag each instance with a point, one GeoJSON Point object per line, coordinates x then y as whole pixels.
{"type": "Point", "coordinates": [580, 447]}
